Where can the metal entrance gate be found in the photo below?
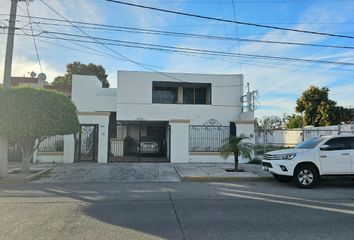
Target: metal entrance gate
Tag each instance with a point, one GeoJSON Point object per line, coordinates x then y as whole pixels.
{"type": "Point", "coordinates": [139, 142]}
{"type": "Point", "coordinates": [87, 143]}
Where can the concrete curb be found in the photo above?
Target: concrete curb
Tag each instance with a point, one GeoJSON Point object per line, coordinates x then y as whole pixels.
{"type": "Point", "coordinates": [13, 170]}
{"type": "Point", "coordinates": [12, 180]}
{"type": "Point", "coordinates": [223, 179]}
{"type": "Point", "coordinates": [38, 174]}
{"type": "Point", "coordinates": [34, 176]}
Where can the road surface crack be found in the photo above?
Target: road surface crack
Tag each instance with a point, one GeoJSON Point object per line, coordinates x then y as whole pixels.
{"type": "Point", "coordinates": [176, 215]}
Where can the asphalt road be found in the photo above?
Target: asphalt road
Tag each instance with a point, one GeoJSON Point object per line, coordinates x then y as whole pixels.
{"type": "Point", "coordinates": [244, 210]}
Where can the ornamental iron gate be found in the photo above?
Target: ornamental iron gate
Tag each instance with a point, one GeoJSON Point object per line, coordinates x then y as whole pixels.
{"type": "Point", "coordinates": [139, 142]}
{"type": "Point", "coordinates": [87, 143]}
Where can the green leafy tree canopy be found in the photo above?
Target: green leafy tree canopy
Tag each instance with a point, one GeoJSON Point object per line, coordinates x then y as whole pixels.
{"type": "Point", "coordinates": [319, 110]}
{"type": "Point", "coordinates": [294, 121]}
{"type": "Point", "coordinates": [82, 69]}
{"type": "Point", "coordinates": [33, 114]}
{"type": "Point", "coordinates": [270, 123]}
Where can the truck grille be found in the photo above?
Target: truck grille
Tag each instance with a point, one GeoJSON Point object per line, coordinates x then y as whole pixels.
{"type": "Point", "coordinates": [266, 164]}
{"type": "Point", "coordinates": [269, 157]}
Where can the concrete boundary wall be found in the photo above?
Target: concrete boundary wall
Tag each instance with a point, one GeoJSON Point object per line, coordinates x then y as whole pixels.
{"type": "Point", "coordinates": [291, 137]}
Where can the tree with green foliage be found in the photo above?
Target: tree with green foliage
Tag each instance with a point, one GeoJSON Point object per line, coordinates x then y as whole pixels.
{"type": "Point", "coordinates": [32, 115]}
{"type": "Point", "coordinates": [238, 146]}
{"type": "Point", "coordinates": [270, 123]}
{"type": "Point", "coordinates": [341, 114]}
{"type": "Point", "coordinates": [319, 110]}
{"type": "Point", "coordinates": [82, 69]}
{"type": "Point", "coordinates": [294, 121]}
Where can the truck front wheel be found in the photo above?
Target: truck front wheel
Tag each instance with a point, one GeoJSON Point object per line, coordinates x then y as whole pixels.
{"type": "Point", "coordinates": [306, 176]}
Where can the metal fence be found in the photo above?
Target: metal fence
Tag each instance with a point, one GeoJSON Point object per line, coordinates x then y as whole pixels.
{"type": "Point", "coordinates": [207, 138]}
{"type": "Point", "coordinates": [52, 144]}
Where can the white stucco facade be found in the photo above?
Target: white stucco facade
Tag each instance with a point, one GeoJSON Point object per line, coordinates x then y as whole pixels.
{"type": "Point", "coordinates": [134, 98]}
{"type": "Point", "coordinates": [132, 101]}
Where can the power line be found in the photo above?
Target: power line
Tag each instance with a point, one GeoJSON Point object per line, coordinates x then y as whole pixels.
{"type": "Point", "coordinates": [34, 40]}
{"type": "Point", "coordinates": [161, 49]}
{"type": "Point", "coordinates": [192, 35]}
{"type": "Point", "coordinates": [211, 52]}
{"type": "Point", "coordinates": [191, 25]}
{"type": "Point", "coordinates": [83, 46]}
{"type": "Point", "coordinates": [104, 45]}
{"type": "Point", "coordinates": [238, 42]}
{"type": "Point", "coordinates": [185, 50]}
{"type": "Point", "coordinates": [170, 33]}
{"type": "Point", "coordinates": [267, 66]}
{"type": "Point", "coordinates": [227, 20]}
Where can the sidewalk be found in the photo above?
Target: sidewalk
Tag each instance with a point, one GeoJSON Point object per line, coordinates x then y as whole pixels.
{"type": "Point", "coordinates": [147, 172]}
{"type": "Point", "coordinates": [216, 172]}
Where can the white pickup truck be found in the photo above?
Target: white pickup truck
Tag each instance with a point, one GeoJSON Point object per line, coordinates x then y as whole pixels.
{"type": "Point", "coordinates": [311, 159]}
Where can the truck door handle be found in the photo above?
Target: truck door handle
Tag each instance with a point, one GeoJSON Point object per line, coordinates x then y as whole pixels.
{"type": "Point", "coordinates": [345, 154]}
{"type": "Point", "coordinates": [323, 156]}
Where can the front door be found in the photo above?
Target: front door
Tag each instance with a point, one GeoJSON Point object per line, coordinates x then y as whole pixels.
{"type": "Point", "coordinates": [336, 159]}
{"type": "Point", "coordinates": [87, 142]}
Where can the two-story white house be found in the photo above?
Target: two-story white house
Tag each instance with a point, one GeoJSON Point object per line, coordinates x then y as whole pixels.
{"type": "Point", "coordinates": [157, 117]}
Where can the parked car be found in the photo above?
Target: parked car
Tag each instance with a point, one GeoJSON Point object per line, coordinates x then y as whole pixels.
{"type": "Point", "coordinates": [312, 159]}
{"type": "Point", "coordinates": [149, 145]}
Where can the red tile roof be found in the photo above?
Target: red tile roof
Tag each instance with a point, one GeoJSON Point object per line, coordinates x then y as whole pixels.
{"type": "Point", "coordinates": [15, 81]}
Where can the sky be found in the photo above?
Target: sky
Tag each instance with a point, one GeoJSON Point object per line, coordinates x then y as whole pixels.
{"type": "Point", "coordinates": [279, 83]}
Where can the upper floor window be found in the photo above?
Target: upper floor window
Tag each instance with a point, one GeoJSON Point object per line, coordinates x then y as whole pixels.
{"type": "Point", "coordinates": [181, 93]}
{"type": "Point", "coordinates": [164, 94]}
{"type": "Point", "coordinates": [195, 95]}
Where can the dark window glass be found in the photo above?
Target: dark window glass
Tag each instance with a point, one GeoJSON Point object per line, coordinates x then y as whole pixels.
{"type": "Point", "coordinates": [184, 93]}
{"type": "Point", "coordinates": [188, 95]}
{"type": "Point", "coordinates": [336, 144]}
{"type": "Point", "coordinates": [351, 142]}
{"type": "Point", "coordinates": [200, 95]}
{"type": "Point", "coordinates": [310, 143]}
{"type": "Point", "coordinates": [164, 95]}
{"type": "Point", "coordinates": [194, 95]}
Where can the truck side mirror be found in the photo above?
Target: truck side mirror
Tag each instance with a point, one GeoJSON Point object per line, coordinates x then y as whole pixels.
{"type": "Point", "coordinates": [325, 148]}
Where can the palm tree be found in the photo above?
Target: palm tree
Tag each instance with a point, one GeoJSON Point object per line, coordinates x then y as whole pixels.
{"type": "Point", "coordinates": [238, 146]}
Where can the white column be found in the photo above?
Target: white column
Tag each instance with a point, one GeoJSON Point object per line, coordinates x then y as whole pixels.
{"type": "Point", "coordinates": [69, 149]}
{"type": "Point", "coordinates": [103, 142]}
{"type": "Point", "coordinates": [179, 141]}
{"type": "Point", "coordinates": [3, 157]}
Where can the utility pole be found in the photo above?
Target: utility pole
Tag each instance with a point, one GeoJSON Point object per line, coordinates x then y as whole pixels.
{"type": "Point", "coordinates": [7, 83]}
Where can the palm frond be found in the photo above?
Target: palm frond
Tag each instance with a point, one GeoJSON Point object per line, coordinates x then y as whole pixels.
{"type": "Point", "coordinates": [237, 144]}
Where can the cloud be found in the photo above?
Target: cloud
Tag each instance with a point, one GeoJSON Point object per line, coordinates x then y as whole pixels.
{"type": "Point", "coordinates": [343, 95]}
{"type": "Point", "coordinates": [24, 57]}
{"type": "Point", "coordinates": [279, 78]}
{"type": "Point", "coordinates": [278, 82]}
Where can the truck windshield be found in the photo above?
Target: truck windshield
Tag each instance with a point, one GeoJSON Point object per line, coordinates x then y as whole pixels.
{"type": "Point", "coordinates": [310, 143]}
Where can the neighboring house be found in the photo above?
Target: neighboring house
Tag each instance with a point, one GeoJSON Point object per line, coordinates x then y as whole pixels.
{"type": "Point", "coordinates": [64, 89]}
{"type": "Point", "coordinates": [157, 117]}
{"type": "Point", "coordinates": [35, 83]}
{"type": "Point", "coordinates": [26, 81]}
